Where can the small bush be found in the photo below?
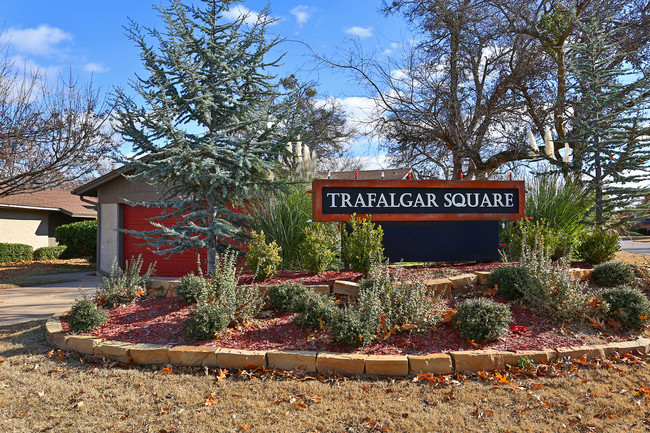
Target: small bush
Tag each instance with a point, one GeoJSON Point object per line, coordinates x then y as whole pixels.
{"type": "Point", "coordinates": [49, 253]}
{"type": "Point", "coordinates": [124, 286]}
{"type": "Point", "coordinates": [558, 244]}
{"type": "Point", "coordinates": [510, 281]}
{"type": "Point", "coordinates": [386, 306]}
{"type": "Point", "coordinates": [80, 238]}
{"type": "Point", "coordinates": [84, 316]}
{"type": "Point", "coordinates": [193, 289]}
{"type": "Point", "coordinates": [352, 326]}
{"type": "Point", "coordinates": [550, 288]}
{"type": "Point", "coordinates": [207, 321]}
{"type": "Point", "coordinates": [612, 274]}
{"type": "Point", "coordinates": [281, 296]}
{"type": "Point", "coordinates": [627, 305]}
{"type": "Point", "coordinates": [10, 253]}
{"type": "Point", "coordinates": [245, 303]}
{"type": "Point", "coordinates": [482, 319]}
{"type": "Point", "coordinates": [263, 258]}
{"type": "Point", "coordinates": [224, 278]}
{"type": "Point", "coordinates": [363, 247]}
{"type": "Point", "coordinates": [316, 311]}
{"type": "Point", "coordinates": [597, 246]}
{"type": "Point", "coordinates": [318, 249]}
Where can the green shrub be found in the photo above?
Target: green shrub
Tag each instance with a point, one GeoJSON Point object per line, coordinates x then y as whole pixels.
{"type": "Point", "coordinates": [49, 253]}
{"type": "Point", "coordinates": [482, 319]}
{"type": "Point", "coordinates": [318, 249]}
{"type": "Point", "coordinates": [315, 310]}
{"type": "Point", "coordinates": [84, 315]}
{"type": "Point", "coordinates": [207, 321]}
{"type": "Point", "coordinates": [386, 305]}
{"type": "Point", "coordinates": [628, 305]}
{"type": "Point", "coordinates": [510, 281]}
{"type": "Point", "coordinates": [597, 246]}
{"type": "Point", "coordinates": [80, 238]}
{"type": "Point", "coordinates": [224, 277]}
{"type": "Point", "coordinates": [524, 232]}
{"type": "Point", "coordinates": [612, 274]}
{"type": "Point", "coordinates": [245, 302]}
{"type": "Point", "coordinates": [350, 325]}
{"type": "Point", "coordinates": [124, 286]}
{"type": "Point", "coordinates": [282, 215]}
{"type": "Point", "coordinates": [193, 289]}
{"type": "Point", "coordinates": [550, 288]}
{"type": "Point", "coordinates": [281, 296]}
{"type": "Point", "coordinates": [362, 248]}
{"type": "Point", "coordinates": [10, 253]}
{"type": "Point", "coordinates": [263, 258]}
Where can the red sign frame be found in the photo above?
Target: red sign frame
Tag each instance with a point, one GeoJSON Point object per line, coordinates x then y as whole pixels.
{"type": "Point", "coordinates": [318, 185]}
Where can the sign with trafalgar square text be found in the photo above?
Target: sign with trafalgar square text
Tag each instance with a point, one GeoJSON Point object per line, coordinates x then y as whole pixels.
{"type": "Point", "coordinates": [418, 200]}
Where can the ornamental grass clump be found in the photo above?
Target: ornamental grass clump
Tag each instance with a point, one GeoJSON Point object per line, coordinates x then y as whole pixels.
{"type": "Point", "coordinates": [282, 215]}
{"type": "Point", "coordinates": [318, 250]}
{"type": "Point", "coordinates": [363, 246]}
{"type": "Point", "coordinates": [612, 274]}
{"type": "Point", "coordinates": [124, 286]}
{"type": "Point", "coordinates": [85, 315]}
{"type": "Point", "coordinates": [482, 319]}
{"type": "Point", "coordinates": [263, 258]}
{"type": "Point", "coordinates": [628, 306]}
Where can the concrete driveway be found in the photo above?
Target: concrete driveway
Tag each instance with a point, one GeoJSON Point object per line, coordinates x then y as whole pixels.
{"type": "Point", "coordinates": [33, 303]}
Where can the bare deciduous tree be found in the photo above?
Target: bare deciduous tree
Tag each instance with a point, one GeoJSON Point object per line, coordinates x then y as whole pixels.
{"type": "Point", "coordinates": [49, 136]}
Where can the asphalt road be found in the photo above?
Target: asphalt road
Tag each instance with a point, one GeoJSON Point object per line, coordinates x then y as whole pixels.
{"type": "Point", "coordinates": [639, 247]}
{"type": "Point", "coordinates": [24, 304]}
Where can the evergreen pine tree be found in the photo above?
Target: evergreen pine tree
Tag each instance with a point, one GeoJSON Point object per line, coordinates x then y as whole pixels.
{"type": "Point", "coordinates": [207, 127]}
{"type": "Point", "coordinates": [610, 141]}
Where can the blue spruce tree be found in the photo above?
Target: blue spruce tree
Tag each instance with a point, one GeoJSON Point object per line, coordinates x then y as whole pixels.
{"type": "Point", "coordinates": [207, 125]}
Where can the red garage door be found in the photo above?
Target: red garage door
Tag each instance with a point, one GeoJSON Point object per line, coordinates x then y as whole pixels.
{"type": "Point", "coordinates": [135, 218]}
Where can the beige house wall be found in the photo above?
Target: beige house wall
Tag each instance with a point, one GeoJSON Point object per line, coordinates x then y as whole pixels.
{"type": "Point", "coordinates": [109, 238]}
{"type": "Point", "coordinates": [25, 227]}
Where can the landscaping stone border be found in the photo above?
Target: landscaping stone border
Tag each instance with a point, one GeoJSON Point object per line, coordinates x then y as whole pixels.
{"type": "Point", "coordinates": [351, 364]}
{"type": "Point", "coordinates": [467, 361]}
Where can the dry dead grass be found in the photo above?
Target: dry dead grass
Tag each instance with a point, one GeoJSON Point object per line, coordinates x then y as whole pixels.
{"type": "Point", "coordinates": [25, 274]}
{"type": "Point", "coordinates": [40, 393]}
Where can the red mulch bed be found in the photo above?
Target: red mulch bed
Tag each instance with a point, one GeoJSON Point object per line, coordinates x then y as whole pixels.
{"type": "Point", "coordinates": [161, 320]}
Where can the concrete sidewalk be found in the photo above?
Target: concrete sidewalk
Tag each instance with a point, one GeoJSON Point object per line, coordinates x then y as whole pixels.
{"type": "Point", "coordinates": [33, 303]}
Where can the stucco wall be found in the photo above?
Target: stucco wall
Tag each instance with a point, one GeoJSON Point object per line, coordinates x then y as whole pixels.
{"type": "Point", "coordinates": [24, 227]}
{"type": "Point", "coordinates": [109, 238]}
{"type": "Point", "coordinates": [119, 189]}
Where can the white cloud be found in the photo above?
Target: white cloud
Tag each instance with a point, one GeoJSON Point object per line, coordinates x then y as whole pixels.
{"type": "Point", "coordinates": [93, 67]}
{"type": "Point", "coordinates": [238, 12]}
{"type": "Point", "coordinates": [393, 46]}
{"type": "Point", "coordinates": [39, 41]}
{"type": "Point", "coordinates": [359, 32]}
{"type": "Point", "coordinates": [302, 14]}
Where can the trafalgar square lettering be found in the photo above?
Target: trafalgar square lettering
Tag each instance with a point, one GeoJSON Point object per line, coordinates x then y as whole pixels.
{"type": "Point", "coordinates": [413, 200]}
{"type": "Point", "coordinates": [430, 221]}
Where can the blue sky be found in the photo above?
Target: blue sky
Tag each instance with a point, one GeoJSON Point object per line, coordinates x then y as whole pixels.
{"type": "Point", "coordinates": [87, 39]}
